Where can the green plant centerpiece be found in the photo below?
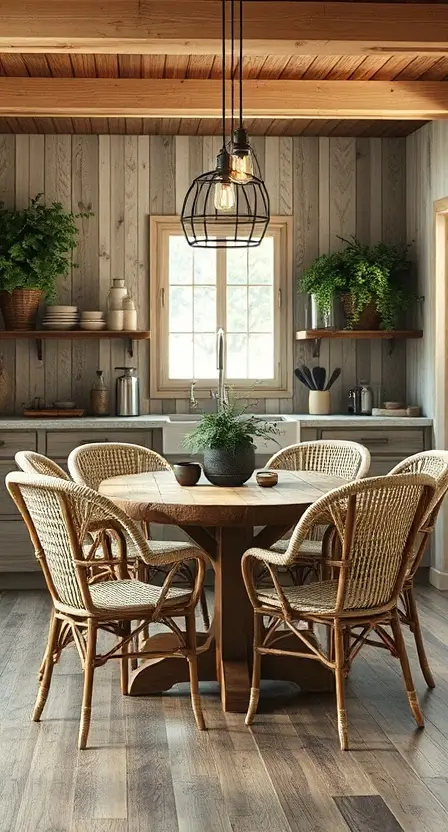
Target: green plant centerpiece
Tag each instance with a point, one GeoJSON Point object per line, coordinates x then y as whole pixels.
{"type": "Point", "coordinates": [373, 283]}
{"type": "Point", "coordinates": [36, 245]}
{"type": "Point", "coordinates": [226, 439]}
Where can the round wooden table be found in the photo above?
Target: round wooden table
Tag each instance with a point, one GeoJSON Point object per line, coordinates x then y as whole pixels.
{"type": "Point", "coordinates": [223, 521]}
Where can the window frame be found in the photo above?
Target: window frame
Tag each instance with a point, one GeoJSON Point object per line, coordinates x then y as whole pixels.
{"type": "Point", "coordinates": [160, 228]}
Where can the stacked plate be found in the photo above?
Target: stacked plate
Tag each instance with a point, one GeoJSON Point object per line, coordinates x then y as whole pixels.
{"type": "Point", "coordinates": [61, 317]}
{"type": "Point", "coordinates": [92, 321]}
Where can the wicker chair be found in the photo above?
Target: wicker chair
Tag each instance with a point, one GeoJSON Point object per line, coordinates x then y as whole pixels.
{"type": "Point", "coordinates": [434, 463]}
{"type": "Point", "coordinates": [58, 515]}
{"type": "Point", "coordinates": [333, 457]}
{"type": "Point", "coordinates": [94, 462]}
{"type": "Point", "coordinates": [377, 521]}
{"type": "Point", "coordinates": [33, 463]}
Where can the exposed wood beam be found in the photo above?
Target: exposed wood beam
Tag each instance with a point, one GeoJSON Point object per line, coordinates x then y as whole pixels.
{"type": "Point", "coordinates": [193, 27]}
{"type": "Point", "coordinates": [179, 98]}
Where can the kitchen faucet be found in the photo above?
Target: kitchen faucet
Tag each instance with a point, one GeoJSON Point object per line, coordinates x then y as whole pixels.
{"type": "Point", "coordinates": [220, 394]}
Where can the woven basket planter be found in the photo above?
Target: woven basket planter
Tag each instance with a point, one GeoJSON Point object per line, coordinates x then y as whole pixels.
{"type": "Point", "coordinates": [19, 308]}
{"type": "Point", "coordinates": [369, 318]}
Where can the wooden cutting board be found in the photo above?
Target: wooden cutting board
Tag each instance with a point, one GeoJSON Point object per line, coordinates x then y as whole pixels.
{"type": "Point", "coordinates": [53, 413]}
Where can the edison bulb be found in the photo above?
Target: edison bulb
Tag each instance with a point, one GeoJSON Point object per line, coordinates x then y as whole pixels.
{"type": "Point", "coordinates": [224, 196]}
{"type": "Point", "coordinates": [242, 167]}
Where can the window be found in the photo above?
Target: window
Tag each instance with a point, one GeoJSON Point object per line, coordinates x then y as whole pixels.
{"type": "Point", "coordinates": [196, 291]}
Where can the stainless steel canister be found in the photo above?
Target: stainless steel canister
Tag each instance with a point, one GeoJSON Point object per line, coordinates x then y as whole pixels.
{"type": "Point", "coordinates": [128, 393]}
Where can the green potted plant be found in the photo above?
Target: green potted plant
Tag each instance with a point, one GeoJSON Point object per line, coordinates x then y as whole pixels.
{"type": "Point", "coordinates": [226, 439]}
{"type": "Point", "coordinates": [36, 245]}
{"type": "Point", "coordinates": [371, 281]}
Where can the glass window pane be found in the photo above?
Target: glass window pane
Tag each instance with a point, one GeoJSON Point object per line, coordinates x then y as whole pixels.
{"type": "Point", "coordinates": [205, 356]}
{"type": "Point", "coordinates": [236, 261]}
{"type": "Point", "coordinates": [205, 266]}
{"type": "Point", "coordinates": [261, 262]}
{"type": "Point", "coordinates": [180, 260]}
{"type": "Point", "coordinates": [236, 356]}
{"type": "Point", "coordinates": [181, 309]}
{"type": "Point", "coordinates": [261, 356]}
{"type": "Point", "coordinates": [180, 362]}
{"type": "Point", "coordinates": [261, 312]}
{"type": "Point", "coordinates": [204, 309]}
{"type": "Point", "coordinates": [236, 309]}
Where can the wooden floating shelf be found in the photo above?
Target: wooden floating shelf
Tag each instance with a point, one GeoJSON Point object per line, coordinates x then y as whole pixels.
{"type": "Point", "coordinates": [39, 335]}
{"type": "Point", "coordinates": [314, 334]}
{"type": "Point", "coordinates": [73, 334]}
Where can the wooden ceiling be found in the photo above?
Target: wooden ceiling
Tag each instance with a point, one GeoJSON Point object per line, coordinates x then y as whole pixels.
{"type": "Point", "coordinates": [271, 67]}
{"type": "Point", "coordinates": [403, 65]}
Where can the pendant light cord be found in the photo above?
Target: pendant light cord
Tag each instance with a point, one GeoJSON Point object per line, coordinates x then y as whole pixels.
{"type": "Point", "coordinates": [241, 63]}
{"type": "Point", "coordinates": [223, 23]}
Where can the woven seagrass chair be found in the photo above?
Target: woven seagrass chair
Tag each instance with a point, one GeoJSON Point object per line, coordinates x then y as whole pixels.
{"type": "Point", "coordinates": [377, 521]}
{"type": "Point", "coordinates": [434, 463]}
{"type": "Point", "coordinates": [58, 515]}
{"type": "Point", "coordinates": [335, 457]}
{"type": "Point", "coordinates": [94, 462]}
{"type": "Point", "coordinates": [34, 463]}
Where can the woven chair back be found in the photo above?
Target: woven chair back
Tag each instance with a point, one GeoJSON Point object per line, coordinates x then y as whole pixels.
{"type": "Point", "coordinates": [333, 457]}
{"type": "Point", "coordinates": [377, 521]}
{"type": "Point", "coordinates": [34, 463]}
{"type": "Point", "coordinates": [90, 464]}
{"type": "Point", "coordinates": [59, 514]}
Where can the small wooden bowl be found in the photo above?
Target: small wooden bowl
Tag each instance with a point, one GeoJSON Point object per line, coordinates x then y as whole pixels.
{"type": "Point", "coordinates": [266, 479]}
{"type": "Point", "coordinates": [187, 473]}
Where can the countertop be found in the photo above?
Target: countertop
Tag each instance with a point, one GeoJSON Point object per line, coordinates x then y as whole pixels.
{"type": "Point", "coordinates": [158, 421]}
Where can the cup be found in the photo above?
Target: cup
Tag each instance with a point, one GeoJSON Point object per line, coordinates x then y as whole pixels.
{"type": "Point", "coordinates": [319, 402]}
{"type": "Point", "coordinates": [187, 473]}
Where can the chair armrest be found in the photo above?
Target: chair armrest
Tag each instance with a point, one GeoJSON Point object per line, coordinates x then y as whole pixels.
{"type": "Point", "coordinates": [267, 556]}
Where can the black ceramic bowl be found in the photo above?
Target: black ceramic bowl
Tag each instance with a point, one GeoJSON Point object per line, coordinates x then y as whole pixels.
{"type": "Point", "coordinates": [187, 473]}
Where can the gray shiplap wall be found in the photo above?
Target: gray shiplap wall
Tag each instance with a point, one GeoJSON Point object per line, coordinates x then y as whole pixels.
{"type": "Point", "coordinates": [332, 187]}
{"type": "Point", "coordinates": [427, 181]}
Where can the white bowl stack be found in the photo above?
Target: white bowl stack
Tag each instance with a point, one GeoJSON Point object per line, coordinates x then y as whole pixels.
{"type": "Point", "coordinates": [92, 321]}
{"type": "Point", "coordinates": [60, 317]}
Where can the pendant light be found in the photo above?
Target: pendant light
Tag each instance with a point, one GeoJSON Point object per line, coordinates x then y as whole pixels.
{"type": "Point", "coordinates": [243, 161]}
{"type": "Point", "coordinates": [228, 206]}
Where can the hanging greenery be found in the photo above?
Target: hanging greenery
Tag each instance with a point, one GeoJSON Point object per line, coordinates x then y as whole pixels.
{"type": "Point", "coordinates": [36, 245]}
{"type": "Point", "coordinates": [377, 274]}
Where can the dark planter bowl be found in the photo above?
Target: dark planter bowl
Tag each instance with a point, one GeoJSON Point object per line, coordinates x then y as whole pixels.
{"type": "Point", "coordinates": [222, 467]}
{"type": "Point", "coordinates": [187, 473]}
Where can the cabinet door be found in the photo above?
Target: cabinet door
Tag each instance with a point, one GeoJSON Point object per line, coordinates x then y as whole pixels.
{"type": "Point", "coordinates": [399, 442]}
{"type": "Point", "coordinates": [16, 550]}
{"type": "Point", "coordinates": [61, 443]}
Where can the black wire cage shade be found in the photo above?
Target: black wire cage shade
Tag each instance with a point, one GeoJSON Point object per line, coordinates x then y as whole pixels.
{"type": "Point", "coordinates": [242, 225]}
{"type": "Point", "coordinates": [228, 206]}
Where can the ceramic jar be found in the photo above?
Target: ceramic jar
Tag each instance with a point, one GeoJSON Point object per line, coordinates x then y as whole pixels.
{"type": "Point", "coordinates": [319, 402]}
{"type": "Point", "coordinates": [115, 315]}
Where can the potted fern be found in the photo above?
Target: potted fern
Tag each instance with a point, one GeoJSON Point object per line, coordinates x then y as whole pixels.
{"type": "Point", "coordinates": [36, 245]}
{"type": "Point", "coordinates": [373, 283]}
{"type": "Point", "coordinates": [226, 439]}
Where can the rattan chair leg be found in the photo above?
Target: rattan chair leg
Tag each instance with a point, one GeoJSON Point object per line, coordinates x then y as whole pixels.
{"type": "Point", "coordinates": [89, 669]}
{"type": "Point", "coordinates": [406, 670]}
{"type": "Point", "coordinates": [416, 630]}
{"type": "Point", "coordinates": [256, 670]}
{"type": "Point", "coordinates": [204, 609]}
{"type": "Point", "coordinates": [340, 685]}
{"type": "Point", "coordinates": [190, 627]}
{"type": "Point", "coordinates": [124, 664]}
{"type": "Point", "coordinates": [47, 667]}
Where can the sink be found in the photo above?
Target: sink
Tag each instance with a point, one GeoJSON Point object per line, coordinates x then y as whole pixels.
{"type": "Point", "coordinates": [179, 425]}
{"type": "Point", "coordinates": [194, 417]}
{"type": "Point", "coordinates": [183, 417]}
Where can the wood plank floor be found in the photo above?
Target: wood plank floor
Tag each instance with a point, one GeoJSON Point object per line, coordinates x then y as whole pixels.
{"type": "Point", "coordinates": [149, 770]}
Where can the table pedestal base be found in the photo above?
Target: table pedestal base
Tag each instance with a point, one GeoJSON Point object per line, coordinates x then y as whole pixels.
{"type": "Point", "coordinates": [159, 675]}
{"type": "Point", "coordinates": [228, 658]}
